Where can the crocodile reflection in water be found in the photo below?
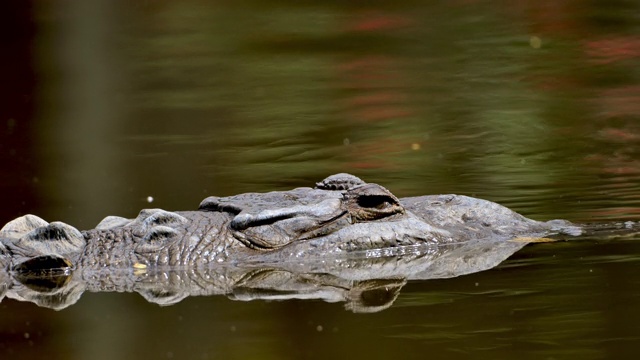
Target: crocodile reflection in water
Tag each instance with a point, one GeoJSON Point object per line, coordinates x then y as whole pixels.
{"type": "Point", "coordinates": [366, 282]}
{"type": "Point", "coordinates": [339, 220]}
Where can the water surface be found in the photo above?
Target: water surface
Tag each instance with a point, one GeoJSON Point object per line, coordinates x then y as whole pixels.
{"type": "Point", "coordinates": [533, 105]}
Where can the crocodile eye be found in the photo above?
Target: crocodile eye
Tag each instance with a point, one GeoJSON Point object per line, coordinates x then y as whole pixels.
{"type": "Point", "coordinates": [375, 201]}
{"type": "Point", "coordinates": [370, 202]}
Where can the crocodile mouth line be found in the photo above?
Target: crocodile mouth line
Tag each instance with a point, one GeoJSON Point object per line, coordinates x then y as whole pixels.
{"type": "Point", "coordinates": [322, 228]}
{"type": "Point", "coordinates": [322, 225]}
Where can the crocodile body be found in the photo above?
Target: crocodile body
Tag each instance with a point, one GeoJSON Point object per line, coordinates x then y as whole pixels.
{"type": "Point", "coordinates": [340, 216]}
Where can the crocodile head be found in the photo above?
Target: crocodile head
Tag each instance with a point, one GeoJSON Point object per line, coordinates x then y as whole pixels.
{"type": "Point", "coordinates": [342, 214]}
{"type": "Point", "coordinates": [342, 211]}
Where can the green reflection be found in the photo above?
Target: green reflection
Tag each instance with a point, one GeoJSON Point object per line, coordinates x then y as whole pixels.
{"type": "Point", "coordinates": [183, 99]}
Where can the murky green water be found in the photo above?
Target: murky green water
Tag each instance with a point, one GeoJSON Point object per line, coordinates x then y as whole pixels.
{"type": "Point", "coordinates": [535, 105]}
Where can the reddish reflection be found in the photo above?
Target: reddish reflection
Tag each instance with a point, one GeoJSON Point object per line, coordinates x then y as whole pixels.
{"type": "Point", "coordinates": [612, 49]}
{"type": "Point", "coordinates": [612, 106]}
{"type": "Point", "coordinates": [377, 21]}
{"type": "Point", "coordinates": [376, 90]}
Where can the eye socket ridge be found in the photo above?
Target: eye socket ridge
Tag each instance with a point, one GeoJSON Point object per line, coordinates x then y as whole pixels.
{"type": "Point", "coordinates": [375, 201]}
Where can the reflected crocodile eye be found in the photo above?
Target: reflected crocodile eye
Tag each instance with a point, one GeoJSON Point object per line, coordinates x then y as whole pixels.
{"type": "Point", "coordinates": [375, 201]}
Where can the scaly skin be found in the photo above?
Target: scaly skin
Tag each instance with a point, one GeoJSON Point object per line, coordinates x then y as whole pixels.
{"type": "Point", "coordinates": [341, 216]}
{"type": "Point", "coordinates": [202, 239]}
{"type": "Point", "coordinates": [345, 240]}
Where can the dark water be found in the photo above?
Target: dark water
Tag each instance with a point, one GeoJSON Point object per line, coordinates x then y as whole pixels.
{"type": "Point", "coordinates": [533, 104]}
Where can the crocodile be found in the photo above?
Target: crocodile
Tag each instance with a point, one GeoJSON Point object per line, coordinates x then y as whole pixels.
{"type": "Point", "coordinates": [339, 217]}
{"type": "Point", "coordinates": [365, 284]}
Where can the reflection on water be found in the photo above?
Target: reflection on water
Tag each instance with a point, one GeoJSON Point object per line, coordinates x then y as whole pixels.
{"type": "Point", "coordinates": [531, 104]}
{"type": "Point", "coordinates": [367, 282]}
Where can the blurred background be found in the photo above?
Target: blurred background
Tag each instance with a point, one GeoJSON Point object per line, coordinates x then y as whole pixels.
{"type": "Point", "coordinates": [533, 104]}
